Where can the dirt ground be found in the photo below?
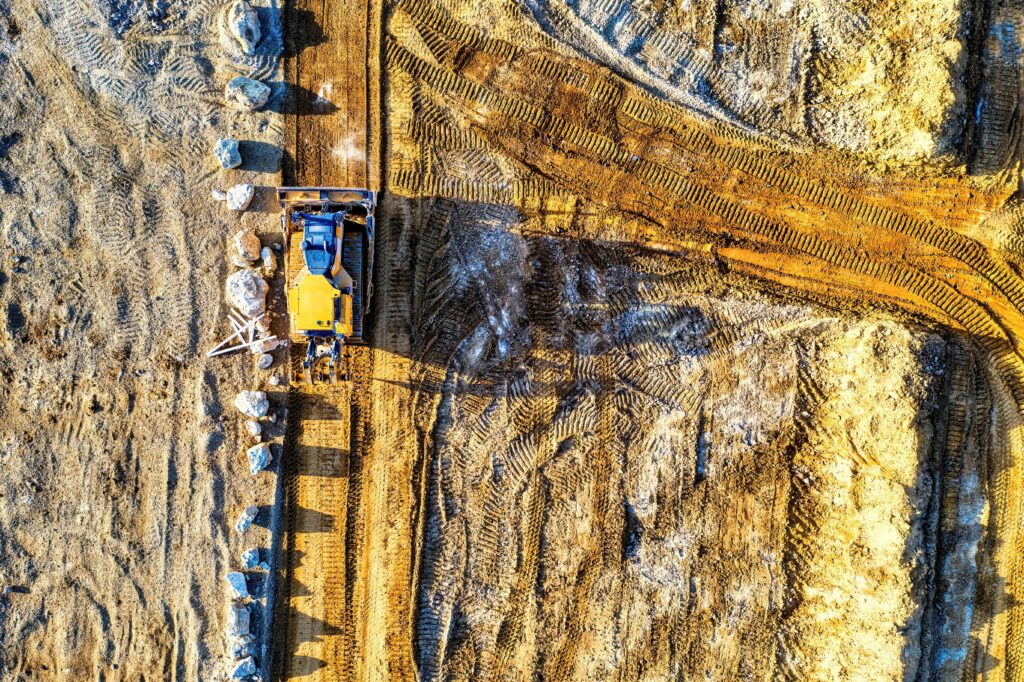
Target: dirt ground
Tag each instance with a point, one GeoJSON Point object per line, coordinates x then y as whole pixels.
{"type": "Point", "coordinates": [695, 348]}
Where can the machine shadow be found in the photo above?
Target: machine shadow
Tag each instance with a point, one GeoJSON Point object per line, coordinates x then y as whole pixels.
{"type": "Point", "coordinates": [431, 340]}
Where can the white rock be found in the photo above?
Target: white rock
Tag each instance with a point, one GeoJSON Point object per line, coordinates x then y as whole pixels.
{"type": "Point", "coordinates": [239, 198]}
{"type": "Point", "coordinates": [265, 361]}
{"type": "Point", "coordinates": [238, 585]}
{"type": "Point", "coordinates": [252, 404]}
{"type": "Point", "coordinates": [226, 151]}
{"type": "Point", "coordinates": [243, 25]}
{"type": "Point", "coordinates": [238, 261]}
{"type": "Point", "coordinates": [269, 262]}
{"type": "Point", "coordinates": [253, 428]}
{"type": "Point", "coordinates": [259, 458]}
{"type": "Point", "coordinates": [247, 291]}
{"type": "Point", "coordinates": [247, 517]}
{"type": "Point", "coordinates": [275, 380]}
{"type": "Point", "coordinates": [246, 244]}
{"type": "Point", "coordinates": [246, 94]}
{"type": "Point", "coordinates": [250, 559]}
{"type": "Point", "coordinates": [241, 649]}
{"type": "Point", "coordinates": [245, 667]}
{"type": "Point", "coordinates": [238, 619]}
{"type": "Point", "coordinates": [218, 195]}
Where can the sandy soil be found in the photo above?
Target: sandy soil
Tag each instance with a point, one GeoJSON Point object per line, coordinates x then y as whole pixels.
{"type": "Point", "coordinates": [695, 347]}
{"type": "Point", "coordinates": [123, 460]}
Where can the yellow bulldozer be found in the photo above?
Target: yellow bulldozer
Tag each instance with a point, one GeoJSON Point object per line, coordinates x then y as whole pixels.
{"type": "Point", "coordinates": [328, 236]}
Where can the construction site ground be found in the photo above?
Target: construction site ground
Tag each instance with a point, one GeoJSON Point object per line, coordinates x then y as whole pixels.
{"type": "Point", "coordinates": [695, 347]}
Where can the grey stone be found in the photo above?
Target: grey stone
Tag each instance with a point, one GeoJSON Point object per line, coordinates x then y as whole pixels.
{"type": "Point", "coordinates": [246, 244]}
{"type": "Point", "coordinates": [239, 197]}
{"type": "Point", "coordinates": [247, 291]}
{"type": "Point", "coordinates": [252, 403]}
{"type": "Point", "coordinates": [226, 151]}
{"type": "Point", "coordinates": [238, 619]}
{"type": "Point", "coordinates": [246, 94]}
{"type": "Point", "coordinates": [250, 558]}
{"type": "Point", "coordinates": [265, 361]}
{"type": "Point", "coordinates": [238, 585]}
{"type": "Point", "coordinates": [246, 518]}
{"type": "Point", "coordinates": [259, 457]}
{"type": "Point", "coordinates": [243, 24]}
{"type": "Point", "coordinates": [245, 667]}
{"type": "Point", "coordinates": [269, 265]}
{"type": "Point", "coordinates": [241, 649]}
{"type": "Point", "coordinates": [254, 428]}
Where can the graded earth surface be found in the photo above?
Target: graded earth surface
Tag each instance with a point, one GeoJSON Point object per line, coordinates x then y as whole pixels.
{"type": "Point", "coordinates": [696, 346]}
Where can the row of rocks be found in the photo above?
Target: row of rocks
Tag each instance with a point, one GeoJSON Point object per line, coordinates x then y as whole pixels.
{"type": "Point", "coordinates": [246, 290]}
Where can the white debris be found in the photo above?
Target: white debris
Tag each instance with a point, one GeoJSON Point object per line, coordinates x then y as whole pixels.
{"type": "Point", "coordinates": [242, 336]}
{"type": "Point", "coordinates": [265, 361]}
{"type": "Point", "coordinates": [265, 345]}
{"type": "Point", "coordinates": [275, 380]}
{"type": "Point", "coordinates": [246, 244]}
{"type": "Point", "coordinates": [252, 403]}
{"type": "Point", "coordinates": [246, 94]}
{"type": "Point", "coordinates": [245, 667]}
{"type": "Point", "coordinates": [259, 457]}
{"type": "Point", "coordinates": [263, 324]}
{"type": "Point", "coordinates": [247, 292]}
{"type": "Point", "coordinates": [238, 585]}
{"type": "Point", "coordinates": [243, 25]}
{"type": "Point", "coordinates": [218, 194]}
{"type": "Point", "coordinates": [253, 428]}
{"type": "Point", "coordinates": [238, 619]}
{"type": "Point", "coordinates": [247, 517]}
{"type": "Point", "coordinates": [226, 151]}
{"type": "Point", "coordinates": [269, 262]}
{"type": "Point", "coordinates": [239, 197]}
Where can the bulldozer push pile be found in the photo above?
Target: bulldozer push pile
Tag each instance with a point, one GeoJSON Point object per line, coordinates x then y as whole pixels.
{"type": "Point", "coordinates": [328, 234]}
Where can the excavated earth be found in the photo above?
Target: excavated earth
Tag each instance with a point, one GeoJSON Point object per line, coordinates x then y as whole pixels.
{"type": "Point", "coordinates": [694, 348]}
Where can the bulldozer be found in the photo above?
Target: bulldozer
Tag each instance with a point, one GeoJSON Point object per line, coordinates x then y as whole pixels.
{"type": "Point", "coordinates": [328, 237]}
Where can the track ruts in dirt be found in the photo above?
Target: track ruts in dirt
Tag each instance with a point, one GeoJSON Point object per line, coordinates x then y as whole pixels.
{"type": "Point", "coordinates": [333, 135]}
{"type": "Point", "coordinates": [780, 220]}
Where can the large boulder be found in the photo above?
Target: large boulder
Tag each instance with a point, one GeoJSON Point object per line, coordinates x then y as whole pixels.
{"type": "Point", "coordinates": [245, 668]}
{"type": "Point", "coordinates": [246, 94]}
{"type": "Point", "coordinates": [238, 619]}
{"type": "Point", "coordinates": [259, 457]}
{"type": "Point", "coordinates": [247, 291]}
{"type": "Point", "coordinates": [226, 151]}
{"type": "Point", "coordinates": [269, 261]}
{"type": "Point", "coordinates": [238, 584]}
{"type": "Point", "coordinates": [252, 404]}
{"type": "Point", "coordinates": [246, 518]}
{"type": "Point", "coordinates": [246, 245]}
{"type": "Point", "coordinates": [239, 197]}
{"type": "Point", "coordinates": [243, 26]}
